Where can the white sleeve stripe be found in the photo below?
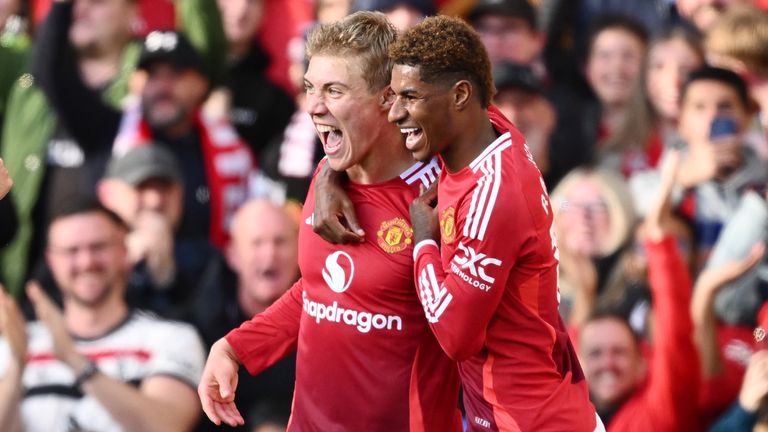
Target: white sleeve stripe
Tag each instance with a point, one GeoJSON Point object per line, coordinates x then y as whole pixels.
{"type": "Point", "coordinates": [483, 203]}
{"type": "Point", "coordinates": [413, 168]}
{"type": "Point", "coordinates": [505, 138]}
{"type": "Point", "coordinates": [494, 194]}
{"type": "Point", "coordinates": [472, 208]}
{"type": "Point", "coordinates": [422, 171]}
{"type": "Point", "coordinates": [421, 244]}
{"type": "Point", "coordinates": [484, 183]}
{"type": "Point", "coordinates": [434, 298]}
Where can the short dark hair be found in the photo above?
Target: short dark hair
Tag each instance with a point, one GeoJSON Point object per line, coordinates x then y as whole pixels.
{"type": "Point", "coordinates": [616, 21]}
{"type": "Point", "coordinates": [446, 49]}
{"type": "Point", "coordinates": [724, 76]}
{"type": "Point", "coordinates": [78, 204]}
{"type": "Point", "coordinates": [601, 314]}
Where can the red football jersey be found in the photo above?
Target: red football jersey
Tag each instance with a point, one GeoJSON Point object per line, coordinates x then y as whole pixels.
{"type": "Point", "coordinates": [366, 358]}
{"type": "Point", "coordinates": [490, 294]}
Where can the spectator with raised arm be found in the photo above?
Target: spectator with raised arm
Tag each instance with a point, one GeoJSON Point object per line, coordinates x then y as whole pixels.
{"type": "Point", "coordinates": [660, 393]}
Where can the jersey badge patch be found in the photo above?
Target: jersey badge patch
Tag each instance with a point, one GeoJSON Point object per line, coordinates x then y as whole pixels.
{"type": "Point", "coordinates": [448, 225]}
{"type": "Point", "coordinates": [394, 235]}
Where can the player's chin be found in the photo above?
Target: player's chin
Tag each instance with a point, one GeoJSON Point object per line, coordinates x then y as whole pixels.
{"type": "Point", "coordinates": [423, 154]}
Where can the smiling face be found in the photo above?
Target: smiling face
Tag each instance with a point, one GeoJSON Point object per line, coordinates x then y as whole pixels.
{"type": "Point", "coordinates": [613, 66]}
{"type": "Point", "coordinates": [583, 218]}
{"type": "Point", "coordinates": [669, 63]}
{"type": "Point", "coordinates": [422, 112]}
{"type": "Point", "coordinates": [87, 256]}
{"type": "Point", "coordinates": [348, 116]}
{"type": "Point", "coordinates": [612, 363]}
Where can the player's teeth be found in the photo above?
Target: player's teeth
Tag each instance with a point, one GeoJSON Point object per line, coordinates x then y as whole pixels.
{"type": "Point", "coordinates": [408, 130]}
{"type": "Point", "coordinates": [325, 128]}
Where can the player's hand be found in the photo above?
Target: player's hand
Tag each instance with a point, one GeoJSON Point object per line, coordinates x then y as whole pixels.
{"type": "Point", "coordinates": [334, 217]}
{"type": "Point", "coordinates": [218, 383]}
{"type": "Point", "coordinates": [14, 329]}
{"type": "Point", "coordinates": [5, 180]}
{"type": "Point", "coordinates": [424, 215]}
{"type": "Point", "coordinates": [52, 318]}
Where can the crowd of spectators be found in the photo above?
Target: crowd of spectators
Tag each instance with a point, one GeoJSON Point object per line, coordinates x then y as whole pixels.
{"type": "Point", "coordinates": [178, 130]}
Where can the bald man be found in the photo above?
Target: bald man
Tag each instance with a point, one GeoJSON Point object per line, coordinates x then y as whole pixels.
{"type": "Point", "coordinates": [263, 253]}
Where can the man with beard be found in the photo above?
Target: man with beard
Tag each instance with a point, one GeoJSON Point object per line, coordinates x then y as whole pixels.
{"type": "Point", "coordinates": [215, 163]}
{"type": "Point", "coordinates": [95, 365]}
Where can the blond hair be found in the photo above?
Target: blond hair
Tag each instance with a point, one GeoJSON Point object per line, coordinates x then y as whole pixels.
{"type": "Point", "coordinates": [741, 33]}
{"type": "Point", "coordinates": [363, 35]}
{"type": "Point", "coordinates": [617, 197]}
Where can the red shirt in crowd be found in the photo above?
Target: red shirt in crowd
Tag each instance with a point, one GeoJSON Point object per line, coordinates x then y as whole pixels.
{"type": "Point", "coordinates": [366, 358]}
{"type": "Point", "coordinates": [668, 399]}
{"type": "Point", "coordinates": [490, 294]}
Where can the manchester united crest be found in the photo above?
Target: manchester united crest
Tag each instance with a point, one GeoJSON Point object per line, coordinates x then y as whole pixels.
{"type": "Point", "coordinates": [448, 225]}
{"type": "Point", "coordinates": [394, 235]}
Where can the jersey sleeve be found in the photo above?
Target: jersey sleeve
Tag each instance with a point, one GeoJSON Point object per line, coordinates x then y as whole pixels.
{"type": "Point", "coordinates": [271, 335]}
{"type": "Point", "coordinates": [461, 297]}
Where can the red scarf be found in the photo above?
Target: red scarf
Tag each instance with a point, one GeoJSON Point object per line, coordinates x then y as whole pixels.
{"type": "Point", "coordinates": [228, 164]}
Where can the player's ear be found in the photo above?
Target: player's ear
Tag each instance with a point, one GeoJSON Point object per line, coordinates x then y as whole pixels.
{"type": "Point", "coordinates": [461, 93]}
{"type": "Point", "coordinates": [387, 98]}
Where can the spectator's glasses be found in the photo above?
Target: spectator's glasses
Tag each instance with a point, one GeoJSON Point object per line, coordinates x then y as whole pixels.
{"type": "Point", "coordinates": [595, 208]}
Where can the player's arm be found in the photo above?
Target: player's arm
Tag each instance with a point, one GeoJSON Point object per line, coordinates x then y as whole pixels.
{"type": "Point", "coordinates": [257, 344]}
{"type": "Point", "coordinates": [334, 215]}
{"type": "Point", "coordinates": [460, 300]}
{"type": "Point", "coordinates": [269, 336]}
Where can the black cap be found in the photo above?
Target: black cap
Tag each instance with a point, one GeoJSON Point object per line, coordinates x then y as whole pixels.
{"type": "Point", "coordinates": [145, 162]}
{"type": "Point", "coordinates": [426, 7]}
{"type": "Point", "coordinates": [514, 75]}
{"type": "Point", "coordinates": [511, 8]}
{"type": "Point", "coordinates": [171, 47]}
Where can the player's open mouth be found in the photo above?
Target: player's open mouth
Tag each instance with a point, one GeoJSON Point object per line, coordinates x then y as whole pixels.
{"type": "Point", "coordinates": [331, 138]}
{"type": "Point", "coordinates": [412, 137]}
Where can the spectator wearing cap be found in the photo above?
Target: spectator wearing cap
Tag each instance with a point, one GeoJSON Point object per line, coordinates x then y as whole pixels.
{"type": "Point", "coordinates": [56, 142]}
{"type": "Point", "coordinates": [520, 97]}
{"type": "Point", "coordinates": [215, 164]}
{"type": "Point", "coordinates": [145, 188]}
{"type": "Point", "coordinates": [403, 14]}
{"type": "Point", "coordinates": [508, 30]}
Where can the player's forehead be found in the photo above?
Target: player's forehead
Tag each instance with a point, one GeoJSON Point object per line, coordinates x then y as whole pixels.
{"type": "Point", "coordinates": [407, 78]}
{"type": "Point", "coordinates": [328, 69]}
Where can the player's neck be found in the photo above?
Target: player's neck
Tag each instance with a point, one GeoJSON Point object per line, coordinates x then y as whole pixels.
{"type": "Point", "coordinates": [476, 133]}
{"type": "Point", "coordinates": [385, 161]}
